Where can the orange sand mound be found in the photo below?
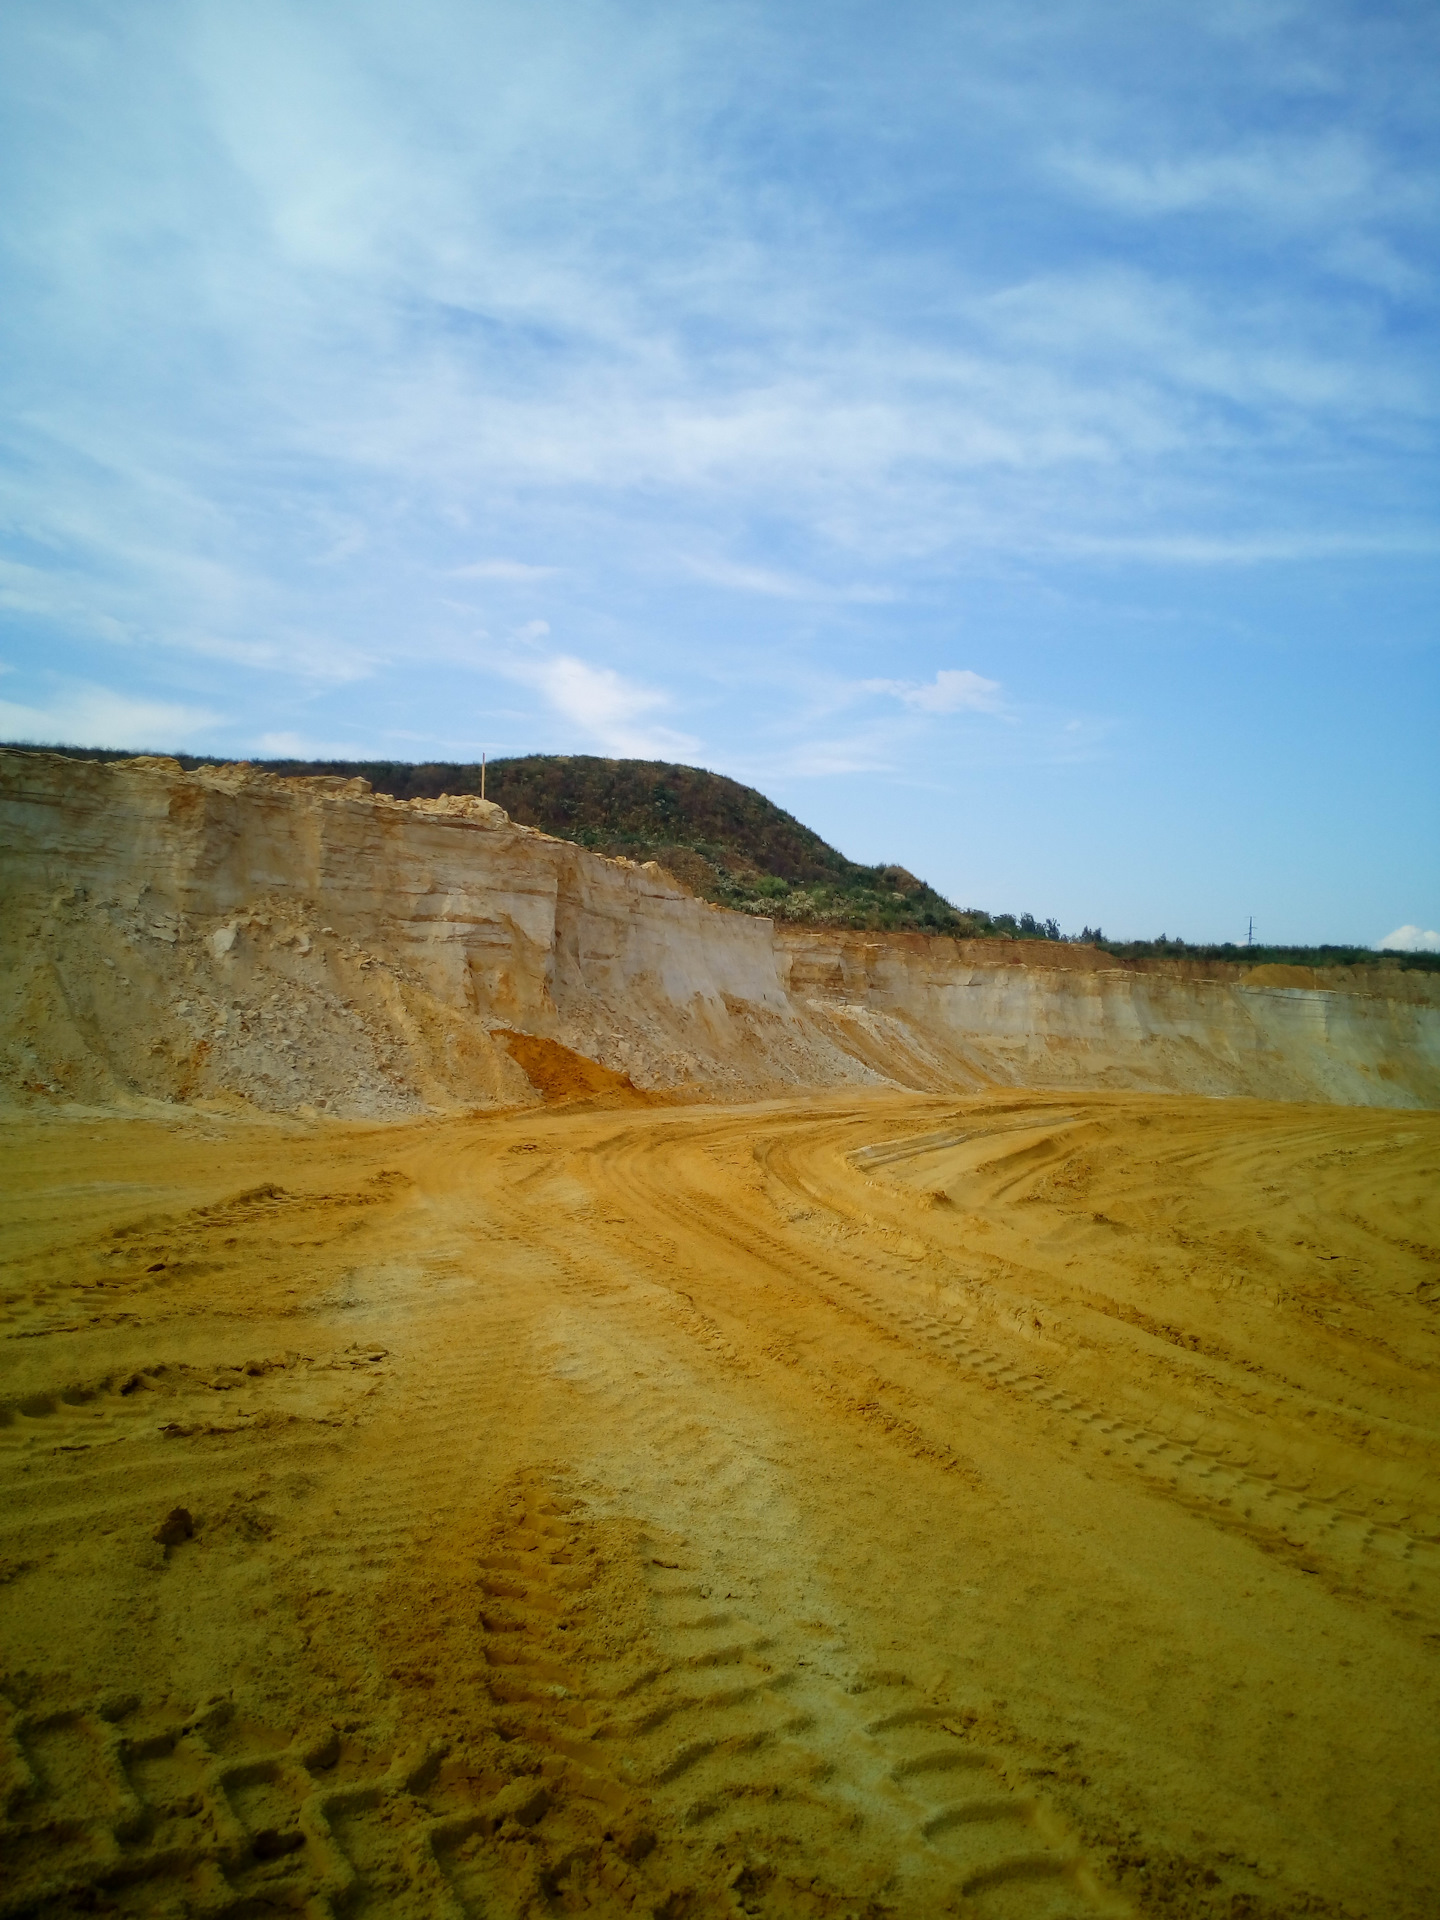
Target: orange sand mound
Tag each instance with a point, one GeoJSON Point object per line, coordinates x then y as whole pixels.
{"type": "Point", "coordinates": [557, 1073]}
{"type": "Point", "coordinates": [875, 1504]}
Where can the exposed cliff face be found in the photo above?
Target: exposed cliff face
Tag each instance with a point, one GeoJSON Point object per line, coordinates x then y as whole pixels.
{"type": "Point", "coordinates": [225, 934]}
{"type": "Point", "coordinates": [183, 936]}
{"type": "Point", "coordinates": [985, 1012]}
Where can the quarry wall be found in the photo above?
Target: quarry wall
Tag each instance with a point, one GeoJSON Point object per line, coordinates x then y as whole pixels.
{"type": "Point", "coordinates": [1033, 1014]}
{"type": "Point", "coordinates": [228, 936]}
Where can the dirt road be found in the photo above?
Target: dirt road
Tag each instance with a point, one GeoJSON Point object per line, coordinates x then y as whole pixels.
{"type": "Point", "coordinates": [1017, 1506]}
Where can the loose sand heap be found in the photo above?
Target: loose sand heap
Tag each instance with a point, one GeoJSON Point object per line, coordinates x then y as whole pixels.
{"type": "Point", "coordinates": [523, 1393]}
{"type": "Point", "coordinates": [880, 1504]}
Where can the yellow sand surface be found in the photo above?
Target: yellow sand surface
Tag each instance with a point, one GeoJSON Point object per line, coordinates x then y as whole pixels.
{"type": "Point", "coordinates": [1017, 1506]}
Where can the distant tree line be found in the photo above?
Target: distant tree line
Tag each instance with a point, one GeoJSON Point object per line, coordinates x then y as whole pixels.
{"type": "Point", "coordinates": [1242, 953]}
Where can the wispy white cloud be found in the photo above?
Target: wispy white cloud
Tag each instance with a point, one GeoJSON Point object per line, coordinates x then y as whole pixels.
{"type": "Point", "coordinates": [1159, 362]}
{"type": "Point", "coordinates": [1411, 940]}
{"type": "Point", "coordinates": [1298, 180]}
{"type": "Point", "coordinates": [613, 711]}
{"type": "Point", "coordinates": [775, 584]}
{"type": "Point", "coordinates": [953, 690]}
{"type": "Point", "coordinates": [1372, 260]}
{"type": "Point", "coordinates": [517, 570]}
{"type": "Point", "coordinates": [107, 554]}
{"type": "Point", "coordinates": [91, 716]}
{"type": "Point", "coordinates": [300, 746]}
{"type": "Point", "coordinates": [820, 759]}
{"type": "Point", "coordinates": [447, 268]}
{"type": "Point", "coordinates": [1253, 549]}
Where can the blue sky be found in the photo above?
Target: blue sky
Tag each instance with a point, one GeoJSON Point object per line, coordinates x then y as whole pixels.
{"type": "Point", "coordinates": [1004, 434]}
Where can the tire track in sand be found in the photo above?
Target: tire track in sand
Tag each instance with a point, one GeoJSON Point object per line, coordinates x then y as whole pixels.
{"type": "Point", "coordinates": [1192, 1473]}
{"type": "Point", "coordinates": [718, 1751]}
{"type": "Point", "coordinates": [767, 1767]}
{"type": "Point", "coordinates": [146, 1811]}
{"type": "Point", "coordinates": [1188, 1458]}
{"type": "Point", "coordinates": [116, 1453]}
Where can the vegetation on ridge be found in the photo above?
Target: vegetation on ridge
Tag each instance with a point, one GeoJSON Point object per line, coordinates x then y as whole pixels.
{"type": "Point", "coordinates": [1256, 955]}
{"type": "Point", "coordinates": [723, 840]}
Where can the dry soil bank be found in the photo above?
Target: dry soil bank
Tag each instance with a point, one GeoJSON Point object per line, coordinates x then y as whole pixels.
{"type": "Point", "coordinates": [223, 934]}
{"type": "Point", "coordinates": [872, 1504]}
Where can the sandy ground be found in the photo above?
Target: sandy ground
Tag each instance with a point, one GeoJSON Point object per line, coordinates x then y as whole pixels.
{"type": "Point", "coordinates": [879, 1504]}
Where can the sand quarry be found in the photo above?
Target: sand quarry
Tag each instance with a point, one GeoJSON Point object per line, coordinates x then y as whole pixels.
{"type": "Point", "coordinates": [715, 1470]}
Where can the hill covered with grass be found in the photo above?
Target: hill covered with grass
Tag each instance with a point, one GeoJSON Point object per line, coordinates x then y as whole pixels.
{"type": "Point", "coordinates": [723, 840]}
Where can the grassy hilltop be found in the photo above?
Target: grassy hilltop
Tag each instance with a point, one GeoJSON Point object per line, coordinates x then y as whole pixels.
{"type": "Point", "coordinates": [725, 841]}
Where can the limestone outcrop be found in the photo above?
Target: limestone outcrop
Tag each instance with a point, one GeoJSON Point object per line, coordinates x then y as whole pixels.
{"type": "Point", "coordinates": [228, 936]}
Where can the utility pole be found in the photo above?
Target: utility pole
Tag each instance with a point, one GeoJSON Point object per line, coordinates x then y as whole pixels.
{"type": "Point", "coordinates": [1249, 937]}
{"type": "Point", "coordinates": [482, 776]}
